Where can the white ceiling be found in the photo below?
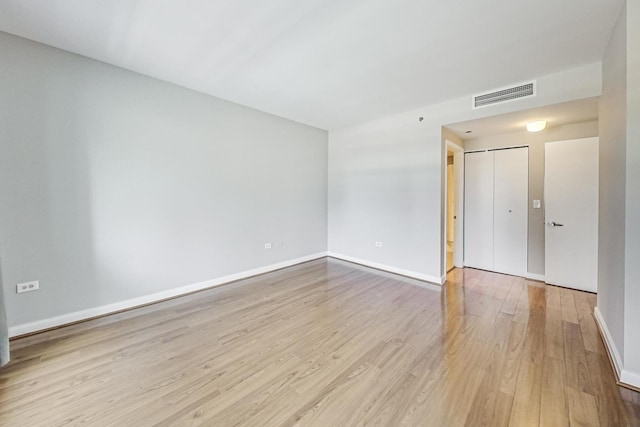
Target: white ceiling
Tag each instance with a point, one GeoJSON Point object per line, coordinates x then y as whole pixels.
{"type": "Point", "coordinates": [566, 113]}
{"type": "Point", "coordinates": [327, 63]}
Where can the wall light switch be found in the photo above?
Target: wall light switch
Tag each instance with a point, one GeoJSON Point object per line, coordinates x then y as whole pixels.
{"type": "Point", "coordinates": [536, 204]}
{"type": "Point", "coordinates": [267, 245]}
{"type": "Point", "coordinates": [378, 244]}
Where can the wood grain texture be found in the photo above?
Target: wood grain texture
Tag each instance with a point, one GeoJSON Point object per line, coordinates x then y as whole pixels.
{"type": "Point", "coordinates": [327, 343]}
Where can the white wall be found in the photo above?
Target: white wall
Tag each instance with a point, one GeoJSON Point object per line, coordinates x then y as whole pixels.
{"type": "Point", "coordinates": [115, 185]}
{"type": "Point", "coordinates": [618, 290]}
{"type": "Point", "coordinates": [386, 177]}
{"type": "Point", "coordinates": [536, 142]}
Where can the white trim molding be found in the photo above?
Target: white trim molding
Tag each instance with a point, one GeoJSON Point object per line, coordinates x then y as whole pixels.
{"type": "Point", "coordinates": [65, 319]}
{"type": "Point", "coordinates": [616, 360]}
{"type": "Point", "coordinates": [625, 378]}
{"type": "Point", "coordinates": [408, 273]}
{"type": "Point", "coordinates": [537, 277]}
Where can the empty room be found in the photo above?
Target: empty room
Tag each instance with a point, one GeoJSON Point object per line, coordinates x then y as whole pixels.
{"type": "Point", "coordinates": [319, 213]}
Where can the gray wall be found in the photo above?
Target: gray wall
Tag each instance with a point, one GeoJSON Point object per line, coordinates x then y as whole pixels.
{"type": "Point", "coordinates": [115, 185]}
{"type": "Point", "coordinates": [618, 290]}
{"type": "Point", "coordinates": [385, 186]}
{"type": "Point", "coordinates": [536, 142]}
{"type": "Point", "coordinates": [632, 242]}
{"type": "Point", "coordinates": [613, 146]}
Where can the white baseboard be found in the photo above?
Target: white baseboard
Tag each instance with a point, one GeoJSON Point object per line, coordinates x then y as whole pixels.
{"type": "Point", "coordinates": [608, 342]}
{"type": "Point", "coordinates": [102, 310]}
{"type": "Point", "coordinates": [424, 277]}
{"type": "Point", "coordinates": [625, 377]}
{"type": "Point", "coordinates": [537, 277]}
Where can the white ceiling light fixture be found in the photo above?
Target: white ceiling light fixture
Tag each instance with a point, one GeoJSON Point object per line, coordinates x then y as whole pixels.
{"type": "Point", "coordinates": [536, 126]}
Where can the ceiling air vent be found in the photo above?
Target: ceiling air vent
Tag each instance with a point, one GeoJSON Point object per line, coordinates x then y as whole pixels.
{"type": "Point", "coordinates": [504, 95]}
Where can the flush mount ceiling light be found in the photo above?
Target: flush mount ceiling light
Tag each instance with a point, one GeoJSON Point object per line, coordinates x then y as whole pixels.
{"type": "Point", "coordinates": [536, 126]}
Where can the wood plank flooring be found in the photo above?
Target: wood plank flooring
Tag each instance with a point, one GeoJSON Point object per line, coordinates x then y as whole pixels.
{"type": "Point", "coordinates": [328, 343]}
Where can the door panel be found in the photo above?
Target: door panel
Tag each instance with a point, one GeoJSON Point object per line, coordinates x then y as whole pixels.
{"type": "Point", "coordinates": [510, 211]}
{"type": "Point", "coordinates": [478, 210]}
{"type": "Point", "coordinates": [571, 202]}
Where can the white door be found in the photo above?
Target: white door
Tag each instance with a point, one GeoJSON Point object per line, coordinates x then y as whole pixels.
{"type": "Point", "coordinates": [478, 210]}
{"type": "Point", "coordinates": [571, 213]}
{"type": "Point", "coordinates": [510, 211]}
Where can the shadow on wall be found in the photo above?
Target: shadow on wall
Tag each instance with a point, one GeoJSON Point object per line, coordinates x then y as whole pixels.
{"type": "Point", "coordinates": [4, 330]}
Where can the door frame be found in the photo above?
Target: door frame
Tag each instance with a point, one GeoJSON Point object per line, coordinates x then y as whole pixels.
{"type": "Point", "coordinates": [458, 237]}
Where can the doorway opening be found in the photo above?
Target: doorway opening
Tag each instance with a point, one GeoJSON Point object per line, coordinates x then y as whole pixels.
{"type": "Point", "coordinates": [451, 209]}
{"type": "Point", "coordinates": [453, 200]}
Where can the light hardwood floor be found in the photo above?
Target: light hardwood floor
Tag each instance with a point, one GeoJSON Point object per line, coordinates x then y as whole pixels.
{"type": "Point", "coordinates": [328, 343]}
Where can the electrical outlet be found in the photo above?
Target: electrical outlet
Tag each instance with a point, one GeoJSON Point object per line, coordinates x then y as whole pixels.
{"type": "Point", "coordinates": [378, 244]}
{"type": "Point", "coordinates": [27, 287]}
{"type": "Point", "coordinates": [278, 244]}
{"type": "Point", "coordinates": [267, 245]}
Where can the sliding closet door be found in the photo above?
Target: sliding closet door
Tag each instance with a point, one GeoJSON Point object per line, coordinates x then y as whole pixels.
{"type": "Point", "coordinates": [478, 210]}
{"type": "Point", "coordinates": [510, 216]}
{"type": "Point", "coordinates": [496, 193]}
